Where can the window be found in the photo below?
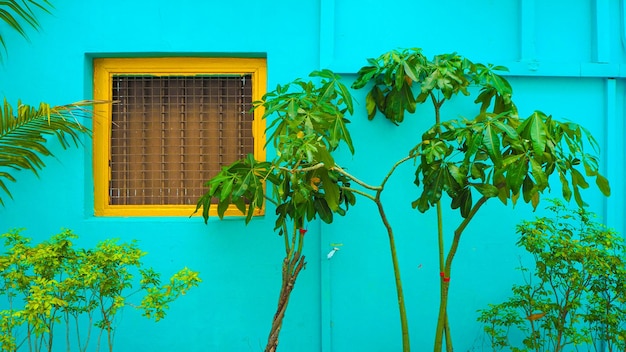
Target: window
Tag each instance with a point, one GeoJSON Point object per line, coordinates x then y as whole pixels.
{"type": "Point", "coordinates": [173, 124]}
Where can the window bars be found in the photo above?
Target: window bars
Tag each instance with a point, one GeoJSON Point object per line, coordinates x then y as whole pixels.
{"type": "Point", "coordinates": [170, 134]}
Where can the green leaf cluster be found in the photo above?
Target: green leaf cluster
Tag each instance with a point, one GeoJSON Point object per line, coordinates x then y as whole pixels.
{"type": "Point", "coordinates": [401, 79]}
{"type": "Point", "coordinates": [502, 156]}
{"type": "Point", "coordinates": [496, 153]}
{"type": "Point", "coordinates": [575, 294]}
{"type": "Point", "coordinates": [308, 124]}
{"type": "Point", "coordinates": [53, 282]}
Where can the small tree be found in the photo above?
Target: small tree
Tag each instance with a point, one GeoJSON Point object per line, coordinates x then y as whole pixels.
{"type": "Point", "coordinates": [496, 154]}
{"type": "Point", "coordinates": [306, 181]}
{"type": "Point", "coordinates": [573, 295]}
{"type": "Point", "coordinates": [309, 124]}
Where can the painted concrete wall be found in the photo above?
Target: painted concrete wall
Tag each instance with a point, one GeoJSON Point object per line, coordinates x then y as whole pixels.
{"type": "Point", "coordinates": [566, 59]}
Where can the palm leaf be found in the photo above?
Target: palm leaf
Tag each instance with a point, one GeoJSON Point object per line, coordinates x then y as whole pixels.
{"type": "Point", "coordinates": [20, 14]}
{"type": "Point", "coordinates": [24, 135]}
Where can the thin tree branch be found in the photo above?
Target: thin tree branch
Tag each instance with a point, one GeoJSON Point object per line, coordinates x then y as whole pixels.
{"type": "Point", "coordinates": [353, 178]}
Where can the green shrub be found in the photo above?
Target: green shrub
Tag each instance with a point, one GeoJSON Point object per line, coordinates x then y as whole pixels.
{"type": "Point", "coordinates": [574, 295]}
{"type": "Point", "coordinates": [54, 282]}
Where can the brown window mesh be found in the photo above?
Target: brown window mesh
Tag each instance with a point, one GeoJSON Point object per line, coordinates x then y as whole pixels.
{"type": "Point", "coordinates": [171, 134]}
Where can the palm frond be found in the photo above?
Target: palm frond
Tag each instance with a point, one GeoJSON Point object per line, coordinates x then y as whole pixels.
{"type": "Point", "coordinates": [24, 132]}
{"type": "Point", "coordinates": [20, 14]}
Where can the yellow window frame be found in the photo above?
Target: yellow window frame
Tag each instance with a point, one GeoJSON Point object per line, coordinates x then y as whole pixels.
{"type": "Point", "coordinates": [106, 68]}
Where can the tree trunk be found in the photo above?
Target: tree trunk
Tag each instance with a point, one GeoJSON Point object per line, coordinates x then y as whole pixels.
{"type": "Point", "coordinates": [292, 265]}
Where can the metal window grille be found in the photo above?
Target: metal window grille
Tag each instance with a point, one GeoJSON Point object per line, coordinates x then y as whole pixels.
{"type": "Point", "coordinates": [170, 134]}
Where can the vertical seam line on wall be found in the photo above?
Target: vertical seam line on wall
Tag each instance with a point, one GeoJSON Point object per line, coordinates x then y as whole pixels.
{"type": "Point", "coordinates": [602, 44]}
{"type": "Point", "coordinates": [622, 23]}
{"type": "Point", "coordinates": [613, 150]}
{"type": "Point", "coordinates": [327, 33]}
{"type": "Point", "coordinates": [527, 28]}
{"type": "Point", "coordinates": [325, 295]}
{"type": "Point", "coordinates": [326, 56]}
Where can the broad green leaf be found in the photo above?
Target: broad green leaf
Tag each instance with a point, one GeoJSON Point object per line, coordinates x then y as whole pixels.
{"type": "Point", "coordinates": [421, 204]}
{"type": "Point", "coordinates": [393, 106]}
{"type": "Point", "coordinates": [243, 186]}
{"type": "Point", "coordinates": [205, 203]}
{"type": "Point", "coordinates": [370, 104]}
{"type": "Point", "coordinates": [399, 79]}
{"type": "Point", "coordinates": [422, 97]}
{"type": "Point", "coordinates": [528, 189]}
{"type": "Point", "coordinates": [324, 73]}
{"type": "Point", "coordinates": [347, 97]}
{"type": "Point", "coordinates": [491, 141]}
{"type": "Point", "coordinates": [408, 100]}
{"type": "Point", "coordinates": [500, 84]}
{"type": "Point", "coordinates": [410, 71]}
{"type": "Point", "coordinates": [473, 144]}
{"type": "Point", "coordinates": [477, 171]}
{"type": "Point", "coordinates": [510, 131]}
{"type": "Point", "coordinates": [565, 189]}
{"type": "Point", "coordinates": [603, 185]}
{"type": "Point", "coordinates": [457, 175]}
{"type": "Point", "coordinates": [240, 203]}
{"type": "Point", "coordinates": [511, 159]}
{"type": "Point", "coordinates": [486, 189]}
{"type": "Point", "coordinates": [578, 197]}
{"type": "Point", "coordinates": [364, 75]}
{"type": "Point", "coordinates": [578, 179]}
{"type": "Point", "coordinates": [466, 202]}
{"type": "Point", "coordinates": [538, 135]}
{"type": "Point", "coordinates": [227, 188]}
{"type": "Point", "coordinates": [435, 181]}
{"type": "Point", "coordinates": [341, 131]}
{"type": "Point", "coordinates": [516, 173]}
{"type": "Point", "coordinates": [222, 206]}
{"type": "Point", "coordinates": [503, 189]}
{"type": "Point", "coordinates": [484, 98]}
{"type": "Point", "coordinates": [323, 155]}
{"type": "Point", "coordinates": [591, 165]}
{"type": "Point", "coordinates": [328, 91]}
{"type": "Point", "coordinates": [322, 209]}
{"type": "Point", "coordinates": [292, 109]}
{"type": "Point", "coordinates": [539, 175]}
{"type": "Point", "coordinates": [331, 190]}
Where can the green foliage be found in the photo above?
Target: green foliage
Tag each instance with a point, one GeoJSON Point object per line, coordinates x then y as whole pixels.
{"type": "Point", "coordinates": [575, 294]}
{"type": "Point", "coordinates": [18, 14]}
{"type": "Point", "coordinates": [504, 157]}
{"type": "Point", "coordinates": [53, 282]}
{"type": "Point", "coordinates": [308, 124]}
{"type": "Point", "coordinates": [394, 73]}
{"type": "Point", "coordinates": [23, 133]}
{"type": "Point", "coordinates": [496, 153]}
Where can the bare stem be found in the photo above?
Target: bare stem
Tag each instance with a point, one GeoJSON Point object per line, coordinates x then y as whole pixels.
{"type": "Point", "coordinates": [406, 346]}
{"type": "Point", "coordinates": [445, 279]}
{"type": "Point", "coordinates": [304, 169]}
{"type": "Point", "coordinates": [359, 192]}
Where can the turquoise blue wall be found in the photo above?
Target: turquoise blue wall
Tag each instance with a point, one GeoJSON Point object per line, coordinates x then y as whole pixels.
{"type": "Point", "coordinates": [566, 59]}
